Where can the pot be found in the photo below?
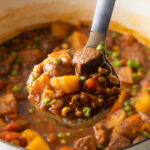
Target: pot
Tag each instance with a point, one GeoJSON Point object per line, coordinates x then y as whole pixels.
{"type": "Point", "coordinates": [129, 16]}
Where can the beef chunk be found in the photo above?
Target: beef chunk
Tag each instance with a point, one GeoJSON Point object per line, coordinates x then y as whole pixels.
{"type": "Point", "coordinates": [31, 57]}
{"type": "Point", "coordinates": [128, 127]}
{"type": "Point", "coordinates": [47, 45]}
{"type": "Point", "coordinates": [58, 70]}
{"type": "Point", "coordinates": [125, 40]}
{"type": "Point", "coordinates": [135, 52]}
{"type": "Point", "coordinates": [2, 84]}
{"type": "Point", "coordinates": [85, 143]}
{"type": "Point", "coordinates": [7, 104]}
{"type": "Point", "coordinates": [119, 142]}
{"type": "Point", "coordinates": [87, 60]}
{"type": "Point", "coordinates": [5, 64]}
{"type": "Point", "coordinates": [125, 75]}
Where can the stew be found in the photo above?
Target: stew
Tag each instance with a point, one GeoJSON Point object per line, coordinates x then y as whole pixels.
{"type": "Point", "coordinates": [56, 88]}
{"type": "Point", "coordinates": [21, 124]}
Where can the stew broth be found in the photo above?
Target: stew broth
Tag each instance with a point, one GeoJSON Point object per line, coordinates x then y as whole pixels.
{"type": "Point", "coordinates": [17, 59]}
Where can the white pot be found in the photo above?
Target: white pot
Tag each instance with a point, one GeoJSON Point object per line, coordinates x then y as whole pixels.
{"type": "Point", "coordinates": [129, 16]}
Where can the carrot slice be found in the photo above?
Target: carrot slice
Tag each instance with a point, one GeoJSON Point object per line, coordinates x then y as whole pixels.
{"type": "Point", "coordinates": [115, 107]}
{"type": "Point", "coordinates": [66, 148]}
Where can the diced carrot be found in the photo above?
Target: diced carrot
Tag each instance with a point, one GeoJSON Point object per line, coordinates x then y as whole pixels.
{"type": "Point", "coordinates": [66, 148]}
{"type": "Point", "coordinates": [12, 116]}
{"type": "Point", "coordinates": [90, 84]}
{"type": "Point", "coordinates": [50, 128]}
{"type": "Point", "coordinates": [52, 137]}
{"type": "Point", "coordinates": [123, 96]}
{"type": "Point", "coordinates": [115, 107]}
{"type": "Point", "coordinates": [134, 117]}
{"type": "Point", "coordinates": [12, 127]}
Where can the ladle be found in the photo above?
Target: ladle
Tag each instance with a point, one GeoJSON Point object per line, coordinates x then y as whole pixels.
{"type": "Point", "coordinates": [97, 35]}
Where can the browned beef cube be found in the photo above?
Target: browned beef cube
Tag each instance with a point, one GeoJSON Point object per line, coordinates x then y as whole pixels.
{"type": "Point", "coordinates": [85, 143]}
{"type": "Point", "coordinates": [87, 60]}
{"type": "Point", "coordinates": [118, 142]}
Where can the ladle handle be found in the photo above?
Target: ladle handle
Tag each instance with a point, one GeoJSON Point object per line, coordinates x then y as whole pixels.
{"type": "Point", "coordinates": [101, 22]}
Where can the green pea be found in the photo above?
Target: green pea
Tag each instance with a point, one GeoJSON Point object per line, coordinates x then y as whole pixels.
{"type": "Point", "coordinates": [115, 34]}
{"type": "Point", "coordinates": [81, 130]}
{"type": "Point", "coordinates": [101, 46]}
{"type": "Point", "coordinates": [16, 89]}
{"type": "Point", "coordinates": [63, 141]}
{"type": "Point", "coordinates": [31, 110]}
{"type": "Point", "coordinates": [142, 69]}
{"type": "Point", "coordinates": [38, 120]}
{"type": "Point", "coordinates": [145, 134]}
{"type": "Point", "coordinates": [130, 63]}
{"type": "Point", "coordinates": [37, 39]}
{"type": "Point", "coordinates": [87, 111]}
{"type": "Point", "coordinates": [109, 52]}
{"type": "Point", "coordinates": [45, 135]}
{"type": "Point", "coordinates": [133, 64]}
{"type": "Point", "coordinates": [25, 89]}
{"type": "Point", "coordinates": [136, 86]}
{"type": "Point", "coordinates": [136, 77]}
{"type": "Point", "coordinates": [127, 108]}
{"type": "Point", "coordinates": [115, 54]}
{"type": "Point", "coordinates": [58, 61]}
{"type": "Point", "coordinates": [100, 96]}
{"type": "Point", "coordinates": [130, 113]}
{"type": "Point", "coordinates": [35, 46]}
{"type": "Point", "coordinates": [100, 147]}
{"type": "Point", "coordinates": [127, 102]}
{"type": "Point", "coordinates": [82, 78]}
{"type": "Point", "coordinates": [14, 72]}
{"type": "Point", "coordinates": [29, 46]}
{"type": "Point", "coordinates": [69, 134]}
{"type": "Point", "coordinates": [18, 60]}
{"type": "Point", "coordinates": [61, 135]}
{"type": "Point", "coordinates": [118, 63]}
{"type": "Point", "coordinates": [133, 92]}
{"type": "Point", "coordinates": [46, 101]}
{"type": "Point", "coordinates": [13, 54]}
{"type": "Point", "coordinates": [3, 79]}
{"type": "Point", "coordinates": [136, 65]}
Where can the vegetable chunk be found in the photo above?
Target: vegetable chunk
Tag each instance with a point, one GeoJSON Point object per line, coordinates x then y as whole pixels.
{"type": "Point", "coordinates": [38, 144]}
{"type": "Point", "coordinates": [143, 102]}
{"type": "Point", "coordinates": [68, 84]}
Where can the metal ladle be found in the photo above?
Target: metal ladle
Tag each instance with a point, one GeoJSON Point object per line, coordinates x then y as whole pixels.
{"type": "Point", "coordinates": [98, 33]}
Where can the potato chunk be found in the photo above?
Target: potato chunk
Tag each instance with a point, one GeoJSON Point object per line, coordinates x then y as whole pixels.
{"type": "Point", "coordinates": [38, 144]}
{"type": "Point", "coordinates": [78, 40]}
{"type": "Point", "coordinates": [60, 30]}
{"type": "Point", "coordinates": [143, 102]}
{"type": "Point", "coordinates": [67, 84]}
